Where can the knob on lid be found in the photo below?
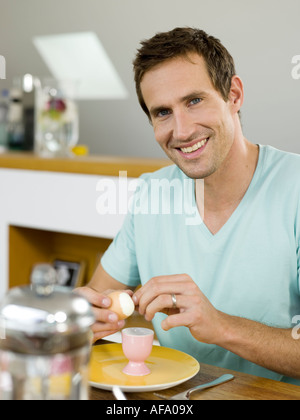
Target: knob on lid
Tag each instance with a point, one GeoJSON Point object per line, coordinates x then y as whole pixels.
{"type": "Point", "coordinates": [43, 279]}
{"type": "Point", "coordinates": [44, 318]}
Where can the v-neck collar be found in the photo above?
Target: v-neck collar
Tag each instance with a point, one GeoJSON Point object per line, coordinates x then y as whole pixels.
{"type": "Point", "coordinates": [202, 226]}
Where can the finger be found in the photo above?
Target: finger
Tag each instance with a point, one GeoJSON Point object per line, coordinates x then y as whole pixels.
{"type": "Point", "coordinates": [165, 304]}
{"type": "Point", "coordinates": [108, 291]}
{"type": "Point", "coordinates": [181, 319]}
{"type": "Point", "coordinates": [101, 334]}
{"type": "Point", "coordinates": [162, 303]}
{"type": "Point", "coordinates": [166, 289]}
{"type": "Point", "coordinates": [104, 315]}
{"type": "Point", "coordinates": [95, 298]}
{"type": "Point", "coordinates": [156, 283]}
{"type": "Point", "coordinates": [101, 326]}
{"type": "Point", "coordinates": [171, 278]}
{"type": "Point", "coordinates": [130, 292]}
{"type": "Point", "coordinates": [98, 299]}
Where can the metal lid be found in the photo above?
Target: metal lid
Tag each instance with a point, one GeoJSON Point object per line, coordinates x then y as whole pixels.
{"type": "Point", "coordinates": [43, 317]}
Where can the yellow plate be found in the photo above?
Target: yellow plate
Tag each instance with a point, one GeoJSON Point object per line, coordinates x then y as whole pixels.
{"type": "Point", "coordinates": [168, 368]}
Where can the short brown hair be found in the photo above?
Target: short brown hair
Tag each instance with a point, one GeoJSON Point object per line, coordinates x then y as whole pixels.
{"type": "Point", "coordinates": [179, 42]}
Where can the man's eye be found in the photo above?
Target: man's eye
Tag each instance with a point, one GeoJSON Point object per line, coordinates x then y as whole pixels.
{"type": "Point", "coordinates": [195, 101]}
{"type": "Point", "coordinates": [163, 113]}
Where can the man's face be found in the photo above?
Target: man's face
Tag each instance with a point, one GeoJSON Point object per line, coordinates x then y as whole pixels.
{"type": "Point", "coordinates": [192, 122]}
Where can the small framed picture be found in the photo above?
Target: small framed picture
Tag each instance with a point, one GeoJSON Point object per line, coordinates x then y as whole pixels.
{"type": "Point", "coordinates": [69, 273]}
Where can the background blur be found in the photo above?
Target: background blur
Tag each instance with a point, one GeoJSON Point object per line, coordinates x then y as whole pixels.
{"type": "Point", "coordinates": [262, 35]}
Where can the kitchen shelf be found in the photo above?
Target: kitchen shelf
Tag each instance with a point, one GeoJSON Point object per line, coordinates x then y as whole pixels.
{"type": "Point", "coordinates": [30, 246]}
{"type": "Point", "coordinates": [91, 165]}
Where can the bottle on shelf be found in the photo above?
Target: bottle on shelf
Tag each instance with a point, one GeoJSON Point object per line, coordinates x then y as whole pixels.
{"type": "Point", "coordinates": [29, 85]}
{"type": "Point", "coordinates": [15, 120]}
{"type": "Point", "coordinates": [4, 107]}
{"type": "Point", "coordinates": [21, 114]}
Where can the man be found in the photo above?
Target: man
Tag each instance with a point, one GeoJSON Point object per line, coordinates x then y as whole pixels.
{"type": "Point", "coordinates": [236, 303]}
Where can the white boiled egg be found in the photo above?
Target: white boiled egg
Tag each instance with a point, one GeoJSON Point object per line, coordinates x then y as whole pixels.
{"type": "Point", "coordinates": [122, 304]}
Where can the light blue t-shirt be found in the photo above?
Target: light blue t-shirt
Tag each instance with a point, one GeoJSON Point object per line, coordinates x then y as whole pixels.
{"type": "Point", "coordinates": [250, 268]}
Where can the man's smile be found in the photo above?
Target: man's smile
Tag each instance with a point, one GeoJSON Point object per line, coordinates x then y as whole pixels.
{"type": "Point", "coordinates": [193, 150]}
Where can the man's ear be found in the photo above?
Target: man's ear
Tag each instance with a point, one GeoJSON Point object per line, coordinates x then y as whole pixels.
{"type": "Point", "coordinates": [236, 94]}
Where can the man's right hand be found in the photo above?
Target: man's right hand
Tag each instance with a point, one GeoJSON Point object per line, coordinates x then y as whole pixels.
{"type": "Point", "coordinates": [106, 322]}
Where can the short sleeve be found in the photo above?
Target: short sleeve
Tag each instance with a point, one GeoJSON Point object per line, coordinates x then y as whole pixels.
{"type": "Point", "coordinates": [298, 266]}
{"type": "Point", "coordinates": [297, 230]}
{"type": "Point", "coordinates": [120, 258]}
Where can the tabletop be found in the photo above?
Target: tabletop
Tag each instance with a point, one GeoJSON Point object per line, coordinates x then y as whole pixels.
{"type": "Point", "coordinates": [242, 387]}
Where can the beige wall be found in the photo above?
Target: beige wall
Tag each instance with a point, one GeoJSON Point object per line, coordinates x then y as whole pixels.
{"type": "Point", "coordinates": [262, 35]}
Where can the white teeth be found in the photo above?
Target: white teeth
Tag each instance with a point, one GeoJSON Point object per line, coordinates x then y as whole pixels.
{"type": "Point", "coordinates": [194, 148]}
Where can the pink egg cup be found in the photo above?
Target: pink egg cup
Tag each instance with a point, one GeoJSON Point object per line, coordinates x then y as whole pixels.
{"type": "Point", "coordinates": [137, 346]}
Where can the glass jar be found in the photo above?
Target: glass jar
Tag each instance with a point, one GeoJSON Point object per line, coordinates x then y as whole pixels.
{"type": "Point", "coordinates": [56, 130]}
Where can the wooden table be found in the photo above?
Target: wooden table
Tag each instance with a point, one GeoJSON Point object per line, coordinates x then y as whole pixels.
{"type": "Point", "coordinates": [243, 387]}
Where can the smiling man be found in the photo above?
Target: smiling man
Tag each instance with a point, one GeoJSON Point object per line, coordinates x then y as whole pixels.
{"type": "Point", "coordinates": [226, 289]}
{"type": "Point", "coordinates": [200, 132]}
